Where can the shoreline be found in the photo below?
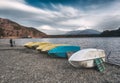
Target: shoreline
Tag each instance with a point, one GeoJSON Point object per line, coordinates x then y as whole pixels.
{"type": "Point", "coordinates": [21, 65]}
{"type": "Point", "coordinates": [63, 37]}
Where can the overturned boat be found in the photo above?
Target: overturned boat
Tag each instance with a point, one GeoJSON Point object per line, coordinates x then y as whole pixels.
{"type": "Point", "coordinates": [39, 48]}
{"type": "Point", "coordinates": [61, 51]}
{"type": "Point", "coordinates": [37, 44]}
{"type": "Point", "coordinates": [86, 57]}
{"type": "Point", "coordinates": [28, 44]}
{"type": "Point", "coordinates": [47, 48]}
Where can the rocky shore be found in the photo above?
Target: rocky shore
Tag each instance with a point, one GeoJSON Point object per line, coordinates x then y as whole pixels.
{"type": "Point", "coordinates": [22, 65]}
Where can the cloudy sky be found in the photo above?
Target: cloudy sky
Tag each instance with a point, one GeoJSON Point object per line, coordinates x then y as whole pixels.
{"type": "Point", "coordinates": [60, 16]}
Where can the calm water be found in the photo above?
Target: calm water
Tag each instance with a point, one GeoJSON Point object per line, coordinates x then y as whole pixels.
{"type": "Point", "coordinates": [108, 44]}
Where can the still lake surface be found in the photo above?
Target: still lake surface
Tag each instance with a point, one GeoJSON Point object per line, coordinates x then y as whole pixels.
{"type": "Point", "coordinates": [111, 45]}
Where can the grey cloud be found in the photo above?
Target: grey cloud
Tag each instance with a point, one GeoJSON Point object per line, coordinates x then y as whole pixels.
{"type": "Point", "coordinates": [53, 18]}
{"type": "Point", "coordinates": [109, 23]}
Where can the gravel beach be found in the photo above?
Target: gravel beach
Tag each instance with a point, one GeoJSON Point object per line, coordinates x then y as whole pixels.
{"type": "Point", "coordinates": [21, 65]}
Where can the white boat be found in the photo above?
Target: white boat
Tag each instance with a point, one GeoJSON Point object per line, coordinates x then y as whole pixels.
{"type": "Point", "coordinates": [85, 57]}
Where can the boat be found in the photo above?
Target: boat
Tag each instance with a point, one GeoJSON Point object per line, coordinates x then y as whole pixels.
{"type": "Point", "coordinates": [61, 51]}
{"type": "Point", "coordinates": [28, 44]}
{"type": "Point", "coordinates": [36, 44]}
{"type": "Point", "coordinates": [43, 46]}
{"type": "Point", "coordinates": [47, 48]}
{"type": "Point", "coordinates": [86, 57]}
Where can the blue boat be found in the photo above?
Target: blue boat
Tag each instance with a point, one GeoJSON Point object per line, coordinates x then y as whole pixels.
{"type": "Point", "coordinates": [61, 51]}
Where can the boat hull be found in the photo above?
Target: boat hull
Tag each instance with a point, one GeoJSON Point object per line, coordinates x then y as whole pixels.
{"type": "Point", "coordinates": [83, 64]}
{"type": "Point", "coordinates": [43, 46]}
{"type": "Point", "coordinates": [51, 47]}
{"type": "Point", "coordinates": [28, 44]}
{"type": "Point", "coordinates": [61, 51]}
{"type": "Point", "coordinates": [35, 45]}
{"type": "Point", "coordinates": [86, 57]}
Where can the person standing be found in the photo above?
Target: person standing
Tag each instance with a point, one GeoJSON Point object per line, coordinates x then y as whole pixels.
{"type": "Point", "coordinates": [11, 42]}
{"type": "Point", "coordinates": [14, 43]}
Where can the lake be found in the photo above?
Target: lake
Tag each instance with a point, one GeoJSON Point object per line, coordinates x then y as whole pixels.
{"type": "Point", "coordinates": [111, 45]}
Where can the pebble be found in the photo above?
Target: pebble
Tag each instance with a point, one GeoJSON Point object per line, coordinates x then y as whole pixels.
{"type": "Point", "coordinates": [22, 65]}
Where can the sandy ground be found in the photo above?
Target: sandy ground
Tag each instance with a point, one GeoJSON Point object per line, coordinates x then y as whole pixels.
{"type": "Point", "coordinates": [22, 65]}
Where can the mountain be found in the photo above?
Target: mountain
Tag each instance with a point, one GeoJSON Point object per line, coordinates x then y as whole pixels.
{"type": "Point", "coordinates": [112, 33]}
{"type": "Point", "coordinates": [9, 29]}
{"type": "Point", "coordinates": [83, 32]}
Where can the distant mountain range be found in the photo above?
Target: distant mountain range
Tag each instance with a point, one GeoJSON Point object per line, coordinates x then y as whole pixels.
{"type": "Point", "coordinates": [111, 33]}
{"type": "Point", "coordinates": [83, 32]}
{"type": "Point", "coordinates": [9, 29]}
{"type": "Point", "coordinates": [88, 33]}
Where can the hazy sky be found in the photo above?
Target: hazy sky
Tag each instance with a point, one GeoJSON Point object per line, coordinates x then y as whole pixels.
{"type": "Point", "coordinates": [60, 16]}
